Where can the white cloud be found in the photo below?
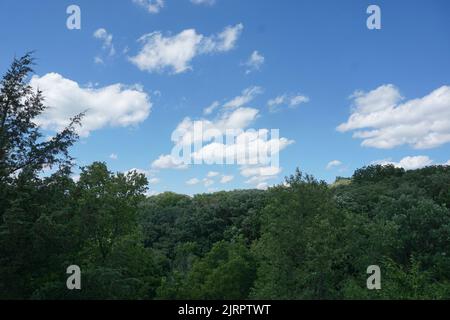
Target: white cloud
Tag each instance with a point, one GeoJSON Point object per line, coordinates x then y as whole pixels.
{"type": "Point", "coordinates": [334, 164]}
{"type": "Point", "coordinates": [113, 156]}
{"type": "Point", "coordinates": [246, 147]}
{"type": "Point", "coordinates": [236, 119]}
{"type": "Point", "coordinates": [260, 171]}
{"type": "Point", "coordinates": [226, 179]}
{"type": "Point", "coordinates": [152, 193]}
{"type": "Point", "coordinates": [152, 6]}
{"type": "Point", "coordinates": [154, 180]}
{"type": "Point", "coordinates": [211, 108]}
{"type": "Point", "coordinates": [224, 41]}
{"type": "Point", "coordinates": [98, 60]}
{"type": "Point", "coordinates": [215, 145]}
{"type": "Point", "coordinates": [116, 105]}
{"type": "Point", "coordinates": [212, 174]}
{"type": "Point", "coordinates": [168, 162]}
{"type": "Point", "coordinates": [106, 38]}
{"type": "Point", "coordinates": [246, 96]}
{"type": "Point", "coordinates": [262, 186]}
{"type": "Point", "coordinates": [255, 62]}
{"type": "Point", "coordinates": [260, 175]}
{"type": "Point", "coordinates": [297, 100]}
{"type": "Point", "coordinates": [409, 163]}
{"type": "Point", "coordinates": [204, 2]}
{"type": "Point", "coordinates": [193, 182]}
{"type": "Point", "coordinates": [208, 182]}
{"type": "Point", "coordinates": [447, 163]}
{"type": "Point", "coordinates": [382, 119]}
{"type": "Point", "coordinates": [175, 53]}
{"type": "Point", "coordinates": [291, 101]}
{"type": "Point", "coordinates": [276, 101]}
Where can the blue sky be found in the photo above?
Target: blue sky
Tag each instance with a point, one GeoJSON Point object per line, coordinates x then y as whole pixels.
{"type": "Point", "coordinates": [342, 95]}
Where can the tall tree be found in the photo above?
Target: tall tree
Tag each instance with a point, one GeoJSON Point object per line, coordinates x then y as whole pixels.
{"type": "Point", "coordinates": [25, 207]}
{"type": "Point", "coordinates": [22, 147]}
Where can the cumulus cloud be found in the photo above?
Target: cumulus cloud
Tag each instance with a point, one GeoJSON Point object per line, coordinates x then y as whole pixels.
{"type": "Point", "coordinates": [245, 147]}
{"type": "Point", "coordinates": [168, 162]}
{"type": "Point", "coordinates": [226, 179]}
{"type": "Point", "coordinates": [238, 119]}
{"type": "Point", "coordinates": [152, 6]}
{"type": "Point", "coordinates": [193, 182]}
{"type": "Point", "coordinates": [213, 174]}
{"type": "Point", "coordinates": [224, 41]}
{"type": "Point", "coordinates": [408, 163]}
{"type": "Point", "coordinates": [174, 53]}
{"type": "Point", "coordinates": [113, 156]}
{"type": "Point", "coordinates": [255, 62]}
{"type": "Point", "coordinates": [334, 164]}
{"type": "Point", "coordinates": [161, 53]}
{"type": "Point", "coordinates": [262, 186]}
{"type": "Point", "coordinates": [260, 171]}
{"type": "Point", "coordinates": [227, 138]}
{"type": "Point", "coordinates": [259, 176]}
{"type": "Point", "coordinates": [116, 105]}
{"type": "Point", "coordinates": [291, 101]}
{"type": "Point", "coordinates": [383, 119]}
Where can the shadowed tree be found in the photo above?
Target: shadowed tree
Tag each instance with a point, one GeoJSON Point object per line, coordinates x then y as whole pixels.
{"type": "Point", "coordinates": [24, 198]}
{"type": "Point", "coordinates": [22, 146]}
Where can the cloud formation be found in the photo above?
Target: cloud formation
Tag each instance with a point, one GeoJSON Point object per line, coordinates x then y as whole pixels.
{"type": "Point", "coordinates": [174, 54]}
{"type": "Point", "coordinates": [193, 182]}
{"type": "Point", "coordinates": [333, 164]}
{"type": "Point", "coordinates": [117, 105]}
{"type": "Point", "coordinates": [408, 163]}
{"type": "Point", "coordinates": [246, 147]}
{"type": "Point", "coordinates": [226, 179]}
{"type": "Point", "coordinates": [168, 162]}
{"type": "Point", "coordinates": [383, 119]}
{"type": "Point", "coordinates": [152, 6]}
{"type": "Point", "coordinates": [255, 62]}
{"type": "Point", "coordinates": [291, 101]}
{"type": "Point", "coordinates": [246, 96]}
{"type": "Point", "coordinates": [259, 176]}
{"type": "Point", "coordinates": [106, 38]}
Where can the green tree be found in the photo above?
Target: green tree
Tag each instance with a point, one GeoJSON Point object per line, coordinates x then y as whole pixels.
{"type": "Point", "coordinates": [26, 201]}
{"type": "Point", "coordinates": [107, 206]}
{"type": "Point", "coordinates": [301, 249]}
{"type": "Point", "coordinates": [227, 272]}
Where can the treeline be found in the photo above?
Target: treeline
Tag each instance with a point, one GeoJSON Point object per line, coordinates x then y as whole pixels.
{"type": "Point", "coordinates": [303, 239]}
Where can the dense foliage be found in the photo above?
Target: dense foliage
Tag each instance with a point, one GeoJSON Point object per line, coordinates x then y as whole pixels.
{"type": "Point", "coordinates": [303, 239]}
